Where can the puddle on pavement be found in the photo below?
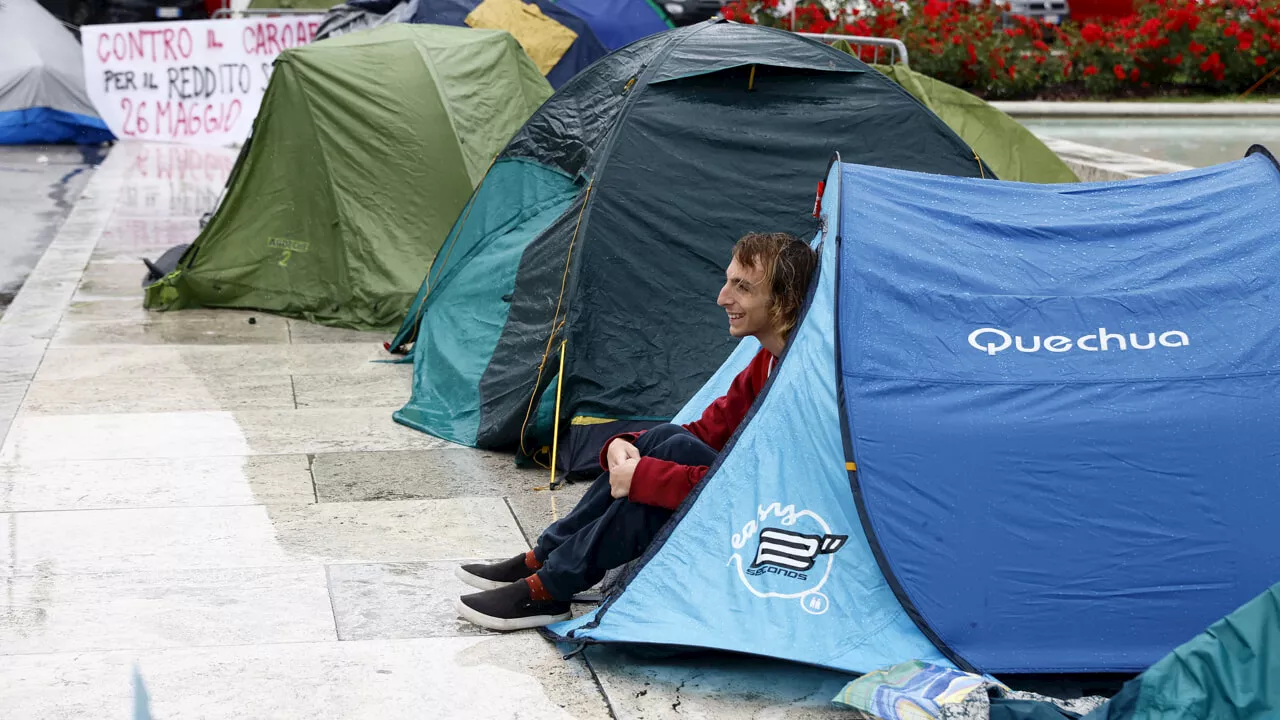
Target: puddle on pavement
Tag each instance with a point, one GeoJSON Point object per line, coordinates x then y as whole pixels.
{"type": "Point", "coordinates": [39, 185]}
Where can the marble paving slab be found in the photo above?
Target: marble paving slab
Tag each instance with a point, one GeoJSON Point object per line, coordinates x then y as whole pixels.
{"type": "Point", "coordinates": [151, 395]}
{"type": "Point", "coordinates": [536, 510]}
{"type": "Point", "coordinates": [202, 361]}
{"type": "Point", "coordinates": [155, 482]}
{"type": "Point", "coordinates": [515, 676]}
{"type": "Point", "coordinates": [36, 437]}
{"type": "Point", "coordinates": [47, 543]}
{"type": "Point", "coordinates": [202, 327]}
{"type": "Point", "coordinates": [305, 333]}
{"type": "Point", "coordinates": [400, 600]}
{"type": "Point", "coordinates": [111, 280]}
{"type": "Point", "coordinates": [447, 471]}
{"type": "Point", "coordinates": [649, 686]}
{"type": "Point", "coordinates": [13, 388]}
{"type": "Point", "coordinates": [163, 608]}
{"type": "Point", "coordinates": [130, 309]}
{"type": "Point", "coordinates": [389, 386]}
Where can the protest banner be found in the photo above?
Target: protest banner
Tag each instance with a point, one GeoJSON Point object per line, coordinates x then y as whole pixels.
{"type": "Point", "coordinates": [198, 82]}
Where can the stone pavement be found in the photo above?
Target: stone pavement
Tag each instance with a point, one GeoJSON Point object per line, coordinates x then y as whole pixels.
{"type": "Point", "coordinates": [227, 506]}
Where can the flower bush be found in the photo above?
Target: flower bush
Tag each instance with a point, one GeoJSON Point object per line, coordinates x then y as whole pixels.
{"type": "Point", "coordinates": [1222, 46]}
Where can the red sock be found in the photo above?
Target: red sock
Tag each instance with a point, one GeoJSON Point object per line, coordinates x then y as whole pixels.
{"type": "Point", "coordinates": [536, 590]}
{"type": "Point", "coordinates": [531, 562]}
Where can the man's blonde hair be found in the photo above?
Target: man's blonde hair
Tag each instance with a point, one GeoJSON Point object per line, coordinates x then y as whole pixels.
{"type": "Point", "coordinates": [788, 266]}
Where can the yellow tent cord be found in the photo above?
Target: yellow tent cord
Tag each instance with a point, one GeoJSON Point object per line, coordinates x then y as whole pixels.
{"type": "Point", "coordinates": [556, 323]}
{"type": "Point", "coordinates": [555, 432]}
{"type": "Point", "coordinates": [751, 81]}
{"type": "Point", "coordinates": [981, 172]}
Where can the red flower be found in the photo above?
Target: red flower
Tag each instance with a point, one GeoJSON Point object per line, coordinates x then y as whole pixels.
{"type": "Point", "coordinates": [1013, 72]}
{"type": "Point", "coordinates": [956, 40]}
{"type": "Point", "coordinates": [1151, 28]}
{"type": "Point", "coordinates": [934, 8]}
{"type": "Point", "coordinates": [1119, 71]}
{"type": "Point", "coordinates": [1040, 45]}
{"type": "Point", "coordinates": [1196, 48]}
{"type": "Point", "coordinates": [1090, 70]}
{"type": "Point", "coordinates": [1091, 32]}
{"type": "Point", "coordinates": [1214, 66]}
{"type": "Point", "coordinates": [1260, 61]}
{"type": "Point", "coordinates": [1246, 40]}
{"type": "Point", "coordinates": [1134, 75]}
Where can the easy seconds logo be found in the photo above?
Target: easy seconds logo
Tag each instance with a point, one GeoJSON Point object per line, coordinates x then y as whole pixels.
{"type": "Point", "coordinates": [791, 556]}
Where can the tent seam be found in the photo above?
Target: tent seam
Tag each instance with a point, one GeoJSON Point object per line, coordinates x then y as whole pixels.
{"type": "Point", "coordinates": [324, 161]}
{"type": "Point", "coordinates": [430, 67]}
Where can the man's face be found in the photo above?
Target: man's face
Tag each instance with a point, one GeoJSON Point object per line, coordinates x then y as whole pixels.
{"type": "Point", "coordinates": [746, 299]}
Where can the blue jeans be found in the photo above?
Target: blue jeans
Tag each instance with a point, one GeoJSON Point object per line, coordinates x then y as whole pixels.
{"type": "Point", "coordinates": [602, 533]}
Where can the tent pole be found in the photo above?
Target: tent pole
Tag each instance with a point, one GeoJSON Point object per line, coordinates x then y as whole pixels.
{"type": "Point", "coordinates": [555, 423]}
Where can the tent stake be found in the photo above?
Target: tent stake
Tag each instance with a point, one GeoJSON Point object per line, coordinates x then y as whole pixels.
{"type": "Point", "coordinates": [555, 423]}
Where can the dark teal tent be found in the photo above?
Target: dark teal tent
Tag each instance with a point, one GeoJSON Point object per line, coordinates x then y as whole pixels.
{"type": "Point", "coordinates": [1231, 671]}
{"type": "Point", "coordinates": [605, 226]}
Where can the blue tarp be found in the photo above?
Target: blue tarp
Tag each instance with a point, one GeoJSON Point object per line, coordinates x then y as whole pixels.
{"type": "Point", "coordinates": [1057, 409]}
{"type": "Point", "coordinates": [618, 22]}
{"type": "Point", "coordinates": [584, 51]}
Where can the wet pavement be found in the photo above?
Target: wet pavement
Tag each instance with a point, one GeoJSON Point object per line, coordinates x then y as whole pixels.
{"type": "Point", "coordinates": [228, 507]}
{"type": "Point", "coordinates": [1185, 141]}
{"type": "Point", "coordinates": [39, 184]}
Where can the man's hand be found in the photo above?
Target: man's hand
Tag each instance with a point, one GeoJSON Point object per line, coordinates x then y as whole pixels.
{"type": "Point", "coordinates": [620, 477]}
{"type": "Point", "coordinates": [619, 451]}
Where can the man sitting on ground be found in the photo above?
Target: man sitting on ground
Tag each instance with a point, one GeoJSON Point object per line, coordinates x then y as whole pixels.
{"type": "Point", "coordinates": [649, 474]}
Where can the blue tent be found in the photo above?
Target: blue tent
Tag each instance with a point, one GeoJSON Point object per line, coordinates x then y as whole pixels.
{"type": "Point", "coordinates": [585, 50]}
{"type": "Point", "coordinates": [1027, 428]}
{"type": "Point", "coordinates": [619, 22]}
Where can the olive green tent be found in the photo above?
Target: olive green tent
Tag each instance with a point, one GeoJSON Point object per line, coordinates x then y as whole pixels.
{"type": "Point", "coordinates": [1007, 147]}
{"type": "Point", "coordinates": [366, 148]}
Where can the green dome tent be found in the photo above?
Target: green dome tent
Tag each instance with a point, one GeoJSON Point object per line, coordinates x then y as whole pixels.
{"type": "Point", "coordinates": [1008, 147]}
{"type": "Point", "coordinates": [593, 251]}
{"type": "Point", "coordinates": [366, 148]}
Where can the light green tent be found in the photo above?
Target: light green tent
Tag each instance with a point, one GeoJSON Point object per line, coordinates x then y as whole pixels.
{"type": "Point", "coordinates": [1005, 146]}
{"type": "Point", "coordinates": [366, 148]}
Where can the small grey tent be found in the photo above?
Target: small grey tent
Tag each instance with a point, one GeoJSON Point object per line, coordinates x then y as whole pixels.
{"type": "Point", "coordinates": [42, 91]}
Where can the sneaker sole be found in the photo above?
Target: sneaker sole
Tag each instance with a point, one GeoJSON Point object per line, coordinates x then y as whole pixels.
{"type": "Point", "coordinates": [503, 624]}
{"type": "Point", "coordinates": [476, 581]}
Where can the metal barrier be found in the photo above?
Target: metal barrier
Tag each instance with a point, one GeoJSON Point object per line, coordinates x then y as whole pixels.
{"type": "Point", "coordinates": [247, 12]}
{"type": "Point", "coordinates": [896, 51]}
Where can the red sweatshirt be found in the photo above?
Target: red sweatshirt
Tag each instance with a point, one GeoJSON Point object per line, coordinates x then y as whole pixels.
{"type": "Point", "coordinates": [666, 484]}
